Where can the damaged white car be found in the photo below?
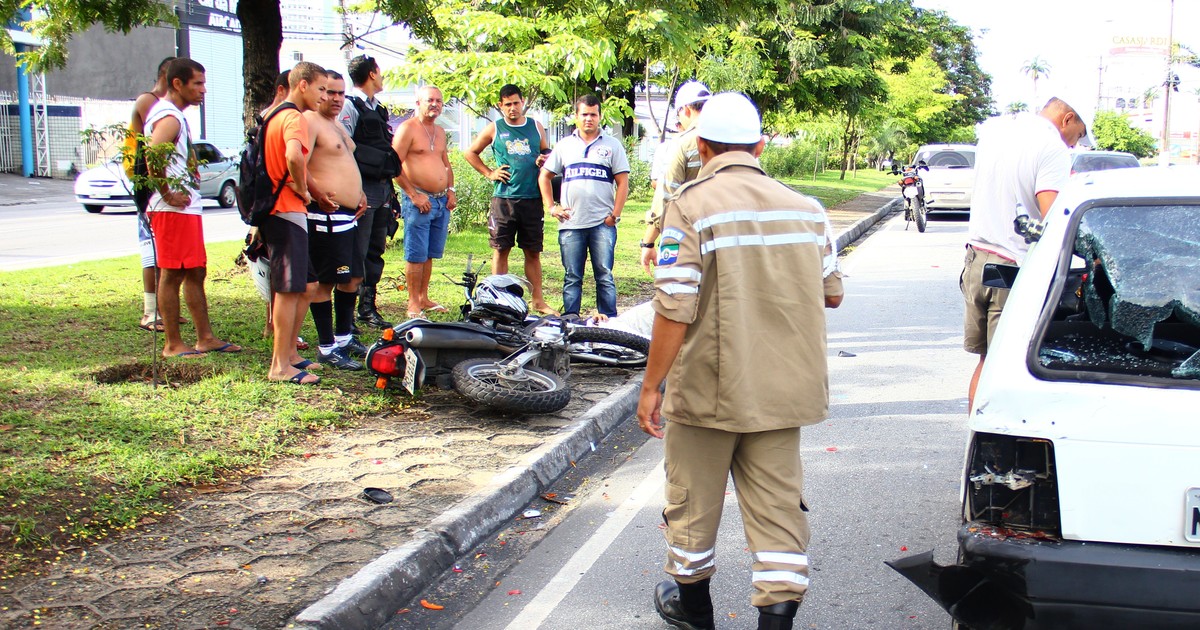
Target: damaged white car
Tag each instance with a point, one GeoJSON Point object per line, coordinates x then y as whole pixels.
{"type": "Point", "coordinates": [1081, 485]}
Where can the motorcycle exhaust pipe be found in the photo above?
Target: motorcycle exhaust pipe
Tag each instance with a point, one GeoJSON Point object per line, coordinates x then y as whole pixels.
{"type": "Point", "coordinates": [449, 339]}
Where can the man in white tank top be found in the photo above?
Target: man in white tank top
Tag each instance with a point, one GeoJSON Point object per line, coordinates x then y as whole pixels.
{"type": "Point", "coordinates": [174, 212]}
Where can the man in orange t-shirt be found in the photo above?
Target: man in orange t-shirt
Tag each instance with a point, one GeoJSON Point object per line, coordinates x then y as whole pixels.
{"type": "Point", "coordinates": [285, 233]}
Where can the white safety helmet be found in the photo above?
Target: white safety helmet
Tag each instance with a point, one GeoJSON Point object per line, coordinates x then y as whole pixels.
{"type": "Point", "coordinates": [503, 295]}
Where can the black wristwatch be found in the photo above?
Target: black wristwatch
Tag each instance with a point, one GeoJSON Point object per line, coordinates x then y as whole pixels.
{"type": "Point", "coordinates": [647, 245]}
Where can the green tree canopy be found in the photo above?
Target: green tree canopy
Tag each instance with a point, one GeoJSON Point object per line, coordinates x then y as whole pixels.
{"type": "Point", "coordinates": [1113, 132]}
{"type": "Point", "coordinates": [54, 22]}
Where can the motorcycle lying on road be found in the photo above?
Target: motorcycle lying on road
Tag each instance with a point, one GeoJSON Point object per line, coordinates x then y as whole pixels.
{"type": "Point", "coordinates": [913, 189]}
{"type": "Point", "coordinates": [500, 355]}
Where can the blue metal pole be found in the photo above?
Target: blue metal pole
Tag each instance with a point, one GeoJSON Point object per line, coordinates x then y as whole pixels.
{"type": "Point", "coordinates": [26, 118]}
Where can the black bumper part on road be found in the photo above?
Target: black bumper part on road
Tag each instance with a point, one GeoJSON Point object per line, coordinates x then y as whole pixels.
{"type": "Point", "coordinates": [1021, 583]}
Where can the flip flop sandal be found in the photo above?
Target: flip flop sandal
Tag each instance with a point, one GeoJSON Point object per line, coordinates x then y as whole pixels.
{"type": "Point", "coordinates": [376, 495]}
{"type": "Point", "coordinates": [228, 348]}
{"type": "Point", "coordinates": [187, 354]}
{"type": "Point", "coordinates": [154, 326]}
{"type": "Point", "coordinates": [437, 308]}
{"type": "Point", "coordinates": [298, 379]}
{"type": "Point", "coordinates": [303, 365]}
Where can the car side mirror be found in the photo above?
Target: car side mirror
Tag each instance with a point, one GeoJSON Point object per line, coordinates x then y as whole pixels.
{"type": "Point", "coordinates": [999, 276]}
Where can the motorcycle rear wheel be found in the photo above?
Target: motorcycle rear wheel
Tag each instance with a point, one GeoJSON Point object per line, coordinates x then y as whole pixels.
{"type": "Point", "coordinates": [530, 390]}
{"type": "Point", "coordinates": [920, 213]}
{"type": "Point", "coordinates": [608, 346]}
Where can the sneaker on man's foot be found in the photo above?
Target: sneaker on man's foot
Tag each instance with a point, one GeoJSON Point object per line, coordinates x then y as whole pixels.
{"type": "Point", "coordinates": [354, 348]}
{"type": "Point", "coordinates": [339, 360]}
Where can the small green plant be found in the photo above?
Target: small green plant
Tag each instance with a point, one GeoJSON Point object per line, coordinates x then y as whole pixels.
{"type": "Point", "coordinates": [474, 193]}
{"type": "Point", "coordinates": [639, 172]}
{"type": "Point", "coordinates": [157, 157]}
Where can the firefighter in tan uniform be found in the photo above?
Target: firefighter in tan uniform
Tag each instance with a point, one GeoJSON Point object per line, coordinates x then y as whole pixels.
{"type": "Point", "coordinates": [739, 338]}
{"type": "Point", "coordinates": [682, 164]}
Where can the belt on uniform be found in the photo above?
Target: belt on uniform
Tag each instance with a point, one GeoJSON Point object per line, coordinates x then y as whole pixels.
{"type": "Point", "coordinates": [434, 195]}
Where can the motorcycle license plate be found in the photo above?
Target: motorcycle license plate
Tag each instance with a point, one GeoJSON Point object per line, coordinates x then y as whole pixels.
{"type": "Point", "coordinates": [410, 371]}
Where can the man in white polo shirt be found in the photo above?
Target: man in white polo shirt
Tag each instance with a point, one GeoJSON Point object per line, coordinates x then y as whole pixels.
{"type": "Point", "coordinates": [595, 184]}
{"type": "Point", "coordinates": [1020, 166]}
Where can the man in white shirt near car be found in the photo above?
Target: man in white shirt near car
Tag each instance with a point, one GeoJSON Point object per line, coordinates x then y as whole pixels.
{"type": "Point", "coordinates": [1020, 166]}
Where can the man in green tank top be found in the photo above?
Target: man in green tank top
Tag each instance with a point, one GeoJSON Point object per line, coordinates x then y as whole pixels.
{"type": "Point", "coordinates": [519, 146]}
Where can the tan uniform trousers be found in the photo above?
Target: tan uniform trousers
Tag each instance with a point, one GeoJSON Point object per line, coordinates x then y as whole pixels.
{"type": "Point", "coordinates": [768, 478]}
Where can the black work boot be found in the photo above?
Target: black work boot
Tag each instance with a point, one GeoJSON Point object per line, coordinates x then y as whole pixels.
{"type": "Point", "coordinates": [686, 606]}
{"type": "Point", "coordinates": [367, 313]}
{"type": "Point", "coordinates": [778, 616]}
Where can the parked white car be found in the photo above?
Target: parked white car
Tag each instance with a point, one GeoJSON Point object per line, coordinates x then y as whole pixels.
{"type": "Point", "coordinates": [107, 186]}
{"type": "Point", "coordinates": [1081, 485]}
{"type": "Point", "coordinates": [951, 176]}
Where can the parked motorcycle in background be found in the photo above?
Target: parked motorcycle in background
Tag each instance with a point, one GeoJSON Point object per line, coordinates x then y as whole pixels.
{"type": "Point", "coordinates": [913, 189]}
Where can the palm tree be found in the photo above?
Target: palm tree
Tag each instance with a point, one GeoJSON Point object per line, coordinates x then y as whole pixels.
{"type": "Point", "coordinates": [1036, 68]}
{"type": "Point", "coordinates": [883, 141]}
{"type": "Point", "coordinates": [1016, 107]}
{"type": "Point", "coordinates": [1149, 96]}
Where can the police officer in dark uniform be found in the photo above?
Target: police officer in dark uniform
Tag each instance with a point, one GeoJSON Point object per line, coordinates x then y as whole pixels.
{"type": "Point", "coordinates": [366, 120]}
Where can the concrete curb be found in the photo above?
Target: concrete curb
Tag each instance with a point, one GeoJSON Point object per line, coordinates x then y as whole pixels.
{"type": "Point", "coordinates": [862, 225]}
{"type": "Point", "coordinates": [368, 598]}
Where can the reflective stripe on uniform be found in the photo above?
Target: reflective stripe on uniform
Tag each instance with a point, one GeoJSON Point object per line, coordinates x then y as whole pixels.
{"type": "Point", "coordinates": [673, 288]}
{"type": "Point", "coordinates": [779, 576]}
{"type": "Point", "coordinates": [679, 570]}
{"type": "Point", "coordinates": [757, 216]}
{"type": "Point", "coordinates": [779, 557]}
{"type": "Point", "coordinates": [679, 273]}
{"type": "Point", "coordinates": [759, 240]}
{"type": "Point", "coordinates": [692, 556]}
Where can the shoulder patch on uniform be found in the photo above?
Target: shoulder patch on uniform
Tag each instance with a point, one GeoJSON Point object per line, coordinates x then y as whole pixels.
{"type": "Point", "coordinates": [668, 253]}
{"type": "Point", "coordinates": [672, 234]}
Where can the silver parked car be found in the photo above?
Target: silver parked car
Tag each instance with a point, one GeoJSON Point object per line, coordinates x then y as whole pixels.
{"type": "Point", "coordinates": [107, 186]}
{"type": "Point", "coordinates": [950, 179]}
{"type": "Point", "coordinates": [1088, 161]}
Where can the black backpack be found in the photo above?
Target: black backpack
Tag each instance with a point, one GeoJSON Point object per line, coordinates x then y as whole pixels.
{"type": "Point", "coordinates": [257, 194]}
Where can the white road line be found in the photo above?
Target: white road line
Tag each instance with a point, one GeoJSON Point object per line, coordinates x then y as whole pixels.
{"type": "Point", "coordinates": [568, 576]}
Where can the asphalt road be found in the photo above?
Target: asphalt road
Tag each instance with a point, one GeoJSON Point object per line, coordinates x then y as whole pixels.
{"type": "Point", "coordinates": [56, 231]}
{"type": "Point", "coordinates": [882, 480]}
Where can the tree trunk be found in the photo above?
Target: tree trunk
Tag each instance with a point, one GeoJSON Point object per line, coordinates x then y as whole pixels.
{"type": "Point", "coordinates": [847, 140]}
{"type": "Point", "coordinates": [262, 36]}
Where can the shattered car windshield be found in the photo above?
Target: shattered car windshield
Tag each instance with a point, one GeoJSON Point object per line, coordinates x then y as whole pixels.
{"type": "Point", "coordinates": [1134, 307]}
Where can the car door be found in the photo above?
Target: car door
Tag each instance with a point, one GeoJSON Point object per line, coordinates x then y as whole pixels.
{"type": "Point", "coordinates": [214, 168]}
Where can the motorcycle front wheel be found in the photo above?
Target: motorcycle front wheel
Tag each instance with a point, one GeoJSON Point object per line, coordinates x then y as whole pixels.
{"type": "Point", "coordinates": [524, 390]}
{"type": "Point", "coordinates": [920, 213]}
{"type": "Point", "coordinates": [608, 346]}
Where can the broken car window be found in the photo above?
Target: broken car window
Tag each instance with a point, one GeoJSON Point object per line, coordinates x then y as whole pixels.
{"type": "Point", "coordinates": [1134, 309]}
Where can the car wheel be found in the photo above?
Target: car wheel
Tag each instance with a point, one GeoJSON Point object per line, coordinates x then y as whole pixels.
{"type": "Point", "coordinates": [93, 209]}
{"type": "Point", "coordinates": [228, 195]}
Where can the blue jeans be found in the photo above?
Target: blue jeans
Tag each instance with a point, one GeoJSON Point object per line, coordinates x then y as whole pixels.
{"type": "Point", "coordinates": [424, 234]}
{"type": "Point", "coordinates": [575, 245]}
